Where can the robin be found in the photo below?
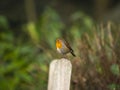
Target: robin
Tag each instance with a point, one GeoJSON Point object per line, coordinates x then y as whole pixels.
{"type": "Point", "coordinates": [63, 47]}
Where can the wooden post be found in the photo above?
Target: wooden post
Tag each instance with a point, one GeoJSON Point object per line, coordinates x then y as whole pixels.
{"type": "Point", "coordinates": [60, 74]}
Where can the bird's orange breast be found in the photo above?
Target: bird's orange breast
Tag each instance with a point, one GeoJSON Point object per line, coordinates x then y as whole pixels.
{"type": "Point", "coordinates": [58, 44]}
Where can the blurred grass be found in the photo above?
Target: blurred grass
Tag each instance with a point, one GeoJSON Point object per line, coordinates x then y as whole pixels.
{"type": "Point", "coordinates": [24, 60]}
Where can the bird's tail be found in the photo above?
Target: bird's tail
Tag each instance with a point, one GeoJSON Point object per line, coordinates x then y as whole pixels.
{"type": "Point", "coordinates": [73, 53]}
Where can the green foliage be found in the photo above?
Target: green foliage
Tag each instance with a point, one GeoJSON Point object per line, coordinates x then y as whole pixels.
{"type": "Point", "coordinates": [115, 69]}
{"type": "Point", "coordinates": [17, 63]}
{"type": "Point", "coordinates": [48, 28]}
{"type": "Point", "coordinates": [3, 23]}
{"type": "Point", "coordinates": [114, 86]}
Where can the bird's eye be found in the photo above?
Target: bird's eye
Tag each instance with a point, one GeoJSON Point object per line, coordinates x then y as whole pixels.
{"type": "Point", "coordinates": [57, 40]}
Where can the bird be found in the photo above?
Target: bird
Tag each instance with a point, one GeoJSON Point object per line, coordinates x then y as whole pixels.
{"type": "Point", "coordinates": [63, 47]}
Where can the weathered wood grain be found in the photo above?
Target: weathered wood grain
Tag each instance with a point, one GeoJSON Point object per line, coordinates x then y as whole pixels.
{"type": "Point", "coordinates": [60, 74]}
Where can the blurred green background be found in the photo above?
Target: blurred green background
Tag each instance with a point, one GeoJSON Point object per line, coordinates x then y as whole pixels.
{"type": "Point", "coordinates": [29, 28]}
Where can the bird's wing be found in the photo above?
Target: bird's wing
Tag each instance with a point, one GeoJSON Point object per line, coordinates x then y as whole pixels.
{"type": "Point", "coordinates": [68, 45]}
